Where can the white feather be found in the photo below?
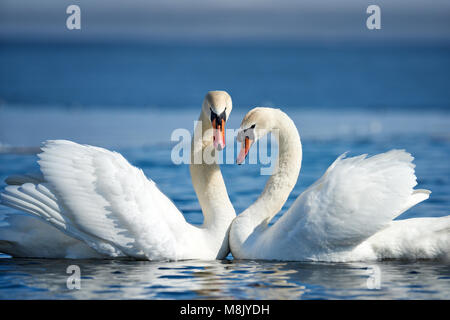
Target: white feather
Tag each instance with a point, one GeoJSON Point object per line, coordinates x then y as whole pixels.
{"type": "Point", "coordinates": [345, 215]}
{"type": "Point", "coordinates": [95, 196]}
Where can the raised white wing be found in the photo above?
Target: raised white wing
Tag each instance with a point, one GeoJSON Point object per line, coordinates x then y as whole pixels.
{"type": "Point", "coordinates": [353, 200]}
{"type": "Point", "coordinates": [96, 196]}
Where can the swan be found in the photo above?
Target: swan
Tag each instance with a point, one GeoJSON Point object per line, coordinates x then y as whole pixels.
{"type": "Point", "coordinates": [92, 203]}
{"type": "Point", "coordinates": [346, 215]}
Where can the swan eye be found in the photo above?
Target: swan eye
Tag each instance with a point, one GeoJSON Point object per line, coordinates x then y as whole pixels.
{"type": "Point", "coordinates": [249, 133]}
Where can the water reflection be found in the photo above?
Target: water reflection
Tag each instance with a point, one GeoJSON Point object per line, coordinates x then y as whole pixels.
{"type": "Point", "coordinates": [226, 279]}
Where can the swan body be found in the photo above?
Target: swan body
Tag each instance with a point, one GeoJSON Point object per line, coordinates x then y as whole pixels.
{"type": "Point", "coordinates": [345, 215]}
{"type": "Point", "coordinates": [96, 204]}
{"type": "Point", "coordinates": [24, 235]}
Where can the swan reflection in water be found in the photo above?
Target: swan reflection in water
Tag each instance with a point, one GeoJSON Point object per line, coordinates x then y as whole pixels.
{"type": "Point", "coordinates": [221, 279]}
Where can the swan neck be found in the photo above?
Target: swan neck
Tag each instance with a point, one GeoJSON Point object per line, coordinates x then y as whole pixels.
{"type": "Point", "coordinates": [284, 177]}
{"type": "Point", "coordinates": [207, 179]}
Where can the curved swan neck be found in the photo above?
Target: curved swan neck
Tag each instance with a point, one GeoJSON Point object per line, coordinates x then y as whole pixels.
{"type": "Point", "coordinates": [285, 174]}
{"type": "Point", "coordinates": [207, 179]}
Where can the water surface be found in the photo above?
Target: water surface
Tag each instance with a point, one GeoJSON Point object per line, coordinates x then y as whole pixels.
{"type": "Point", "coordinates": [227, 279]}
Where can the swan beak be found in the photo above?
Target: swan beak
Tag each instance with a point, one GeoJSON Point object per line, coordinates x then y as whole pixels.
{"type": "Point", "coordinates": [245, 147]}
{"type": "Point", "coordinates": [218, 124]}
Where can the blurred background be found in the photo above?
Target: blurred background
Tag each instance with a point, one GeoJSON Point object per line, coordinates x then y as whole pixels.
{"type": "Point", "coordinates": [139, 69]}
{"type": "Point", "coordinates": [162, 53]}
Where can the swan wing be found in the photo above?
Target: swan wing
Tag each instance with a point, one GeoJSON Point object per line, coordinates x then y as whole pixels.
{"type": "Point", "coordinates": [24, 235]}
{"type": "Point", "coordinates": [353, 200]}
{"type": "Point", "coordinates": [409, 239]}
{"type": "Point", "coordinates": [96, 196]}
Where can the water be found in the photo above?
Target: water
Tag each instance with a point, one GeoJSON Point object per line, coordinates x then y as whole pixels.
{"type": "Point", "coordinates": [359, 75]}
{"type": "Point", "coordinates": [393, 97]}
{"type": "Point", "coordinates": [46, 279]}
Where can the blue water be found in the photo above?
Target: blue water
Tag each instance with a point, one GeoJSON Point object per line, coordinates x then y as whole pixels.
{"type": "Point", "coordinates": [129, 99]}
{"type": "Point", "coordinates": [289, 75]}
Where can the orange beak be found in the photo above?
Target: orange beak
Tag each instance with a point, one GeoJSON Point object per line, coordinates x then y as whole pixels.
{"type": "Point", "coordinates": [245, 147]}
{"type": "Point", "coordinates": [219, 133]}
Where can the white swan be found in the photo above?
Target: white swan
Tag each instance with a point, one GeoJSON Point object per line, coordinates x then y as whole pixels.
{"type": "Point", "coordinates": [105, 207]}
{"type": "Point", "coordinates": [346, 215]}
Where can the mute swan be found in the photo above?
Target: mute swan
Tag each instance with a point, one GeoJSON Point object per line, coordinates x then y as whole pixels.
{"type": "Point", "coordinates": [105, 207]}
{"type": "Point", "coordinates": [345, 215]}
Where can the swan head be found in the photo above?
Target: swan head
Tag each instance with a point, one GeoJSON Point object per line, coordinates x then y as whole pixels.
{"type": "Point", "coordinates": [217, 106]}
{"type": "Point", "coordinates": [256, 124]}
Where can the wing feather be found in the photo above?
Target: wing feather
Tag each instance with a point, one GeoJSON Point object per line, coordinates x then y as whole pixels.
{"type": "Point", "coordinates": [98, 197]}
{"type": "Point", "coordinates": [353, 200]}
